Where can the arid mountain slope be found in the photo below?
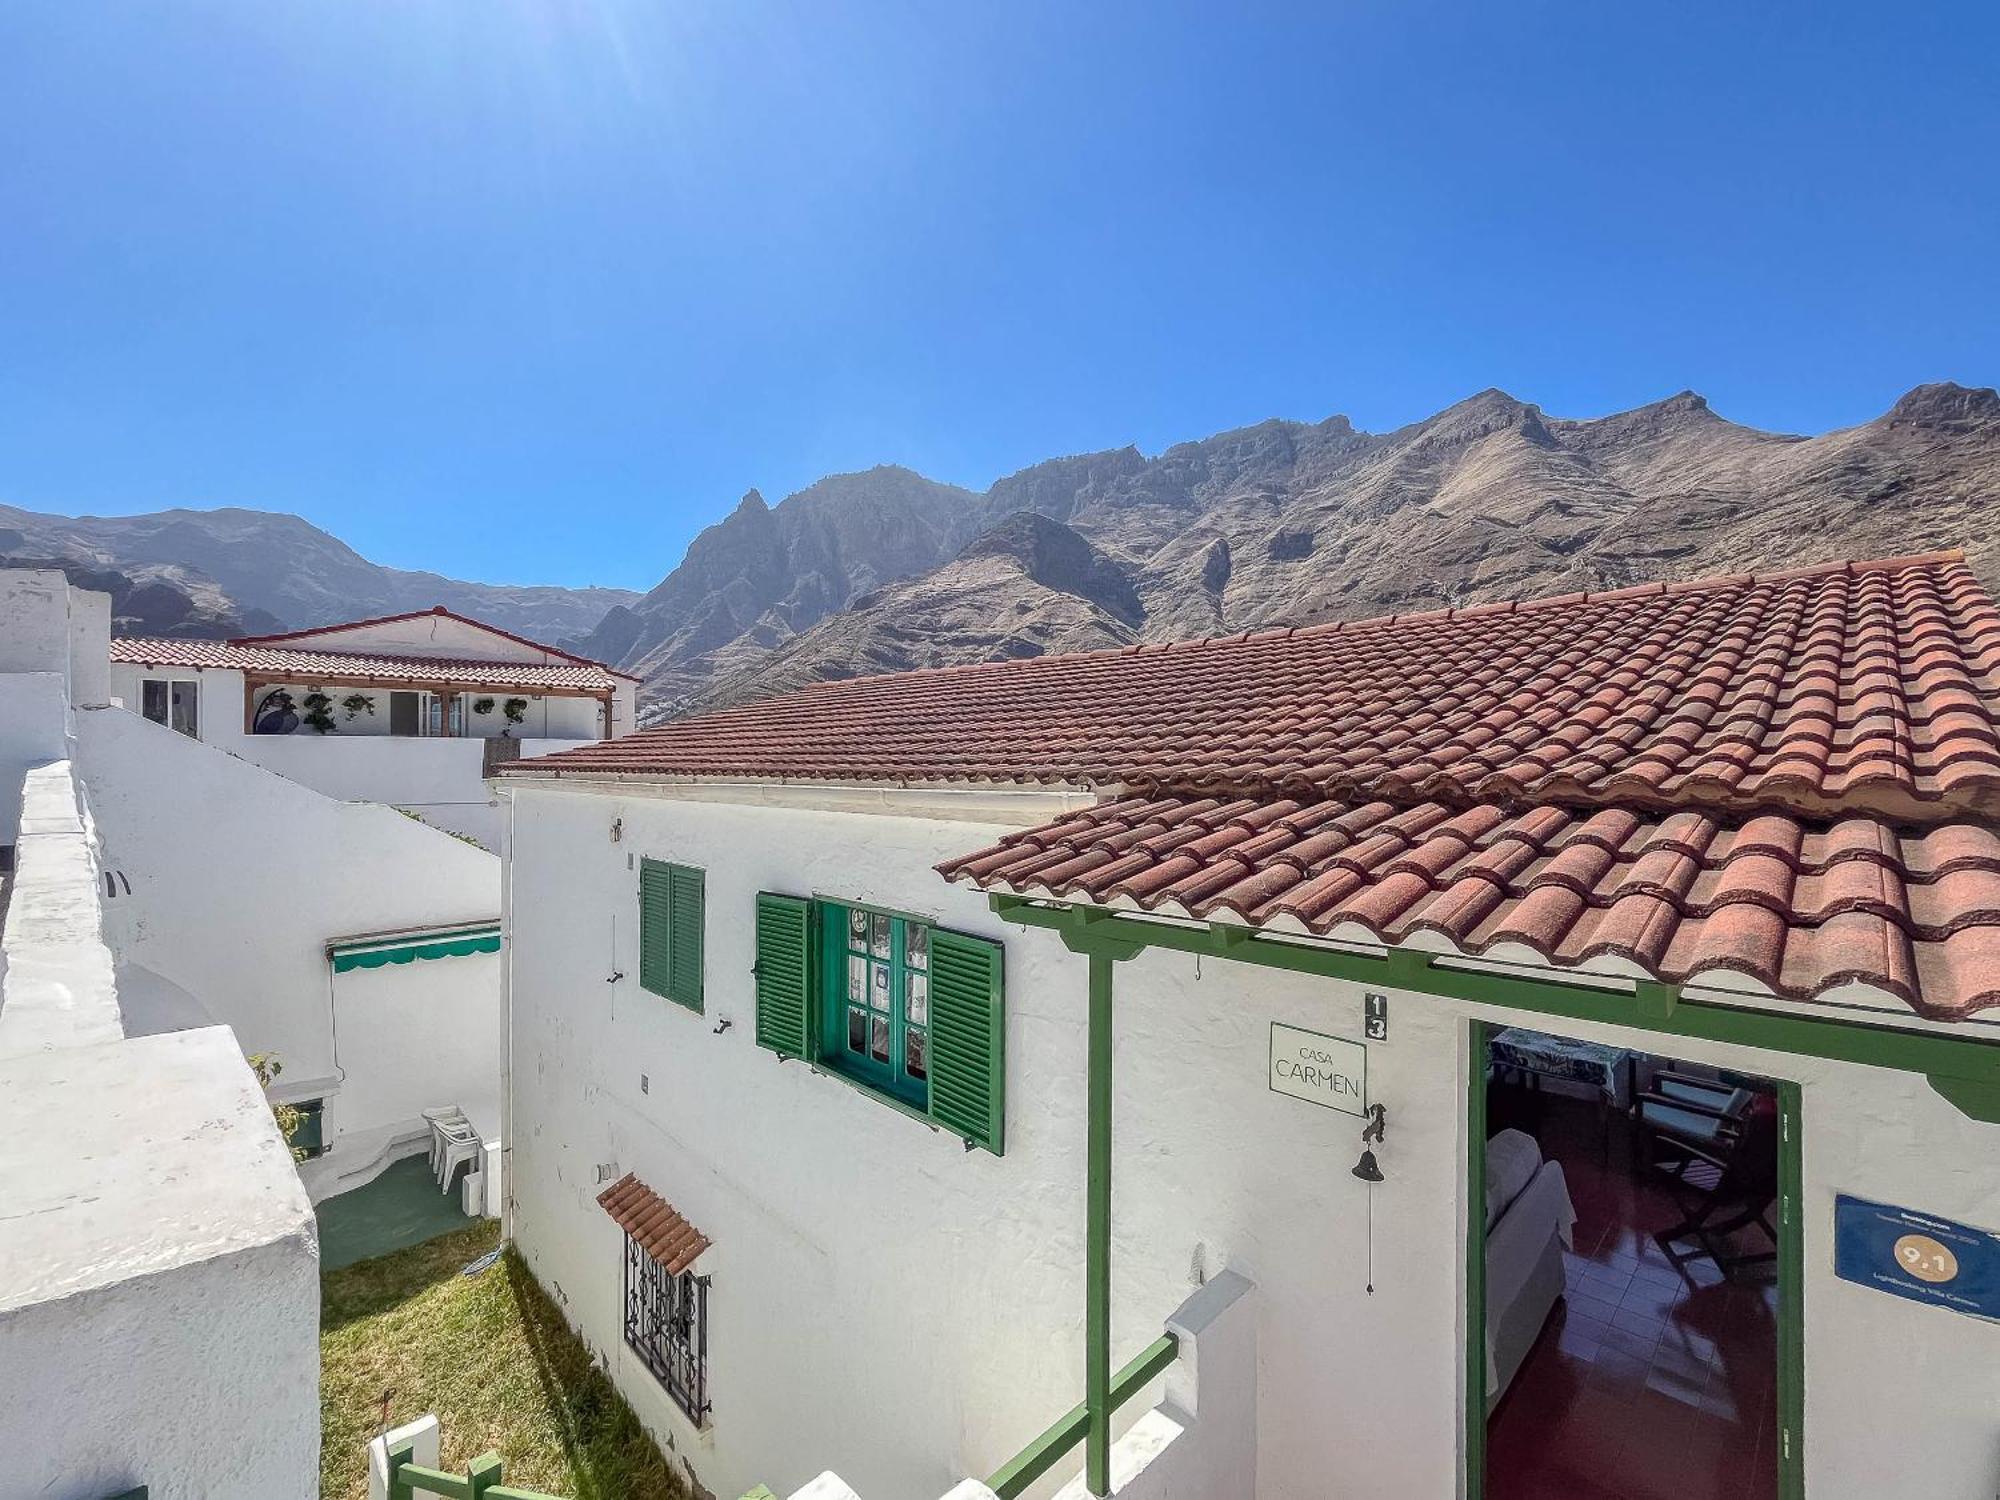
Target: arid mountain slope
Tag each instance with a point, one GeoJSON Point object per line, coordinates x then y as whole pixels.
{"type": "Point", "coordinates": [1289, 523]}
{"type": "Point", "coordinates": [259, 570]}
{"type": "Point", "coordinates": [751, 582]}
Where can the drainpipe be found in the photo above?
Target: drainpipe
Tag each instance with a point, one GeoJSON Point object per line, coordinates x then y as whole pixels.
{"type": "Point", "coordinates": [507, 1020]}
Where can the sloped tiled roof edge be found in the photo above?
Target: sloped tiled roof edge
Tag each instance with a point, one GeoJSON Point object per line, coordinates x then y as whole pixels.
{"type": "Point", "coordinates": [147, 651]}
{"type": "Point", "coordinates": [438, 610]}
{"type": "Point", "coordinates": [1797, 910]}
{"type": "Point", "coordinates": [1814, 691]}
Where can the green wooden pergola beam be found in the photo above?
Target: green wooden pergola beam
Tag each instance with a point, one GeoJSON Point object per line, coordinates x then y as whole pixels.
{"type": "Point", "coordinates": [1963, 1070]}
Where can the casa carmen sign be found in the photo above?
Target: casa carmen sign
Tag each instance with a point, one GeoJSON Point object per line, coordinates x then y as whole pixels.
{"type": "Point", "coordinates": [1323, 1070]}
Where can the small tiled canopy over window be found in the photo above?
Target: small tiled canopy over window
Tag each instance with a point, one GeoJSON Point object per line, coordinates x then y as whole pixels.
{"type": "Point", "coordinates": [666, 1304]}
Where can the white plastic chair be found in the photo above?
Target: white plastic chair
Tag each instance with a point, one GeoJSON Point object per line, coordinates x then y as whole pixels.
{"type": "Point", "coordinates": [459, 1144]}
{"type": "Point", "coordinates": [443, 1115]}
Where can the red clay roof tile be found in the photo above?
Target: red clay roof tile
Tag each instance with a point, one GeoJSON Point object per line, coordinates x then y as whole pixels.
{"type": "Point", "coordinates": [1797, 909]}
{"type": "Point", "coordinates": [306, 665]}
{"type": "Point", "coordinates": [654, 1223]}
{"type": "Point", "coordinates": [1856, 687]}
{"type": "Point", "coordinates": [1792, 776]}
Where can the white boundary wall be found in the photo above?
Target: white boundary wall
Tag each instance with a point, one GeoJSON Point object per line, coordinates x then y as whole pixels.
{"type": "Point", "coordinates": [906, 1313]}
{"type": "Point", "coordinates": [239, 878]}
{"type": "Point", "coordinates": [159, 1290]}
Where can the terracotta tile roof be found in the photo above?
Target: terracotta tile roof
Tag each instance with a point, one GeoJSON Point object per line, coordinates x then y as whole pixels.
{"type": "Point", "coordinates": [1791, 776]}
{"type": "Point", "coordinates": [306, 665]}
{"type": "Point", "coordinates": [1797, 909]}
{"type": "Point", "coordinates": [1820, 692]}
{"type": "Point", "coordinates": [660, 1230]}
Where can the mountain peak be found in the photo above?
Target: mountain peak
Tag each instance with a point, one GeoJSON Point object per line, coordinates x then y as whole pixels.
{"type": "Point", "coordinates": [752, 501]}
{"type": "Point", "coordinates": [1946, 406]}
{"type": "Point", "coordinates": [1057, 557]}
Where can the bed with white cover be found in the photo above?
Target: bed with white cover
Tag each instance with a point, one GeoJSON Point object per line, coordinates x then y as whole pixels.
{"type": "Point", "coordinates": [1529, 1223]}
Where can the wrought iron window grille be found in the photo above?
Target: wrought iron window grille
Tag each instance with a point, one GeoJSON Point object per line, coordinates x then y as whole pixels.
{"type": "Point", "coordinates": [666, 1325]}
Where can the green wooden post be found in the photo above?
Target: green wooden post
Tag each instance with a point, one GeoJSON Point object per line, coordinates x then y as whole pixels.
{"type": "Point", "coordinates": [1475, 1264]}
{"type": "Point", "coordinates": [1097, 1255]}
{"type": "Point", "coordinates": [1791, 1293]}
{"type": "Point", "coordinates": [399, 1487]}
{"type": "Point", "coordinates": [482, 1474]}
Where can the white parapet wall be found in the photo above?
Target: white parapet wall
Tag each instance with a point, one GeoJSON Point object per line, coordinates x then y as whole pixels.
{"type": "Point", "coordinates": [159, 1289]}
{"type": "Point", "coordinates": [58, 987]}
{"type": "Point", "coordinates": [159, 1286]}
{"type": "Point", "coordinates": [1199, 1442]}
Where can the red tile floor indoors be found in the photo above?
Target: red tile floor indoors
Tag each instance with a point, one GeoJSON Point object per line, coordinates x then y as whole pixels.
{"type": "Point", "coordinates": [1647, 1383]}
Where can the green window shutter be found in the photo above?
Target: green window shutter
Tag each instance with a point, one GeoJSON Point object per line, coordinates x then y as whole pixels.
{"type": "Point", "coordinates": [968, 1038]}
{"type": "Point", "coordinates": [670, 931]}
{"type": "Point", "coordinates": [784, 974]}
{"type": "Point", "coordinates": [685, 902]}
{"type": "Point", "coordinates": [656, 927]}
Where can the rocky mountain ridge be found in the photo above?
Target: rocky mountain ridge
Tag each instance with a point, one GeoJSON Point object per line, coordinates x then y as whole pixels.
{"type": "Point", "coordinates": [210, 573]}
{"type": "Point", "coordinates": [1290, 523]}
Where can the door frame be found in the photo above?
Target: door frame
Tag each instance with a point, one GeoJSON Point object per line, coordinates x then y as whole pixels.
{"type": "Point", "coordinates": [1791, 1269]}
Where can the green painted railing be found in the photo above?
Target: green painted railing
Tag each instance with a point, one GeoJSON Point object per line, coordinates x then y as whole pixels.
{"type": "Point", "coordinates": [480, 1481]}
{"type": "Point", "coordinates": [1046, 1451]}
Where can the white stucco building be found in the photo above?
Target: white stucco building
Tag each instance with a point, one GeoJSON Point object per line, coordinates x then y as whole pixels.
{"type": "Point", "coordinates": [159, 1290]}
{"type": "Point", "coordinates": [410, 709]}
{"type": "Point", "coordinates": [357, 946]}
{"type": "Point", "coordinates": [915, 1080]}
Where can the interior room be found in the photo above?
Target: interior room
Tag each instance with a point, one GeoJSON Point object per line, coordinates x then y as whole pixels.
{"type": "Point", "coordinates": [1631, 1275]}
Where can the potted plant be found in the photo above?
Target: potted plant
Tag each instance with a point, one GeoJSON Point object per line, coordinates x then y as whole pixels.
{"type": "Point", "coordinates": [482, 705]}
{"type": "Point", "coordinates": [357, 704]}
{"type": "Point", "coordinates": [318, 715]}
{"type": "Point", "coordinates": [516, 710]}
{"type": "Point", "coordinates": [275, 714]}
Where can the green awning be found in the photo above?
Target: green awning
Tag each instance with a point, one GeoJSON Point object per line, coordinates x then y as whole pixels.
{"type": "Point", "coordinates": [454, 942]}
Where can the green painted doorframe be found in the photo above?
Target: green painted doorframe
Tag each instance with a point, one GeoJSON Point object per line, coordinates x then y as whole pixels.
{"type": "Point", "coordinates": [1790, 1352]}
{"type": "Point", "coordinates": [1963, 1071]}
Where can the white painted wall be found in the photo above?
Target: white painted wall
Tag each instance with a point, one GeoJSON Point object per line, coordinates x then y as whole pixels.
{"type": "Point", "coordinates": [410, 1037]}
{"type": "Point", "coordinates": [440, 779]}
{"type": "Point", "coordinates": [424, 635]}
{"type": "Point", "coordinates": [907, 1313]}
{"type": "Point", "coordinates": [34, 620]}
{"type": "Point", "coordinates": [159, 1294]}
{"type": "Point", "coordinates": [240, 877]}
{"type": "Point", "coordinates": [34, 716]}
{"type": "Point", "coordinates": [53, 645]}
{"type": "Point", "coordinates": [159, 1289]}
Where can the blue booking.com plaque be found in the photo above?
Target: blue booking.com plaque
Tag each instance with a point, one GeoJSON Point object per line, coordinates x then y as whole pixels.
{"type": "Point", "coordinates": [1917, 1256]}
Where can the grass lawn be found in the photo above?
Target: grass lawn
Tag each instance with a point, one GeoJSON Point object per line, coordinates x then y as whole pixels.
{"type": "Point", "coordinates": [491, 1355]}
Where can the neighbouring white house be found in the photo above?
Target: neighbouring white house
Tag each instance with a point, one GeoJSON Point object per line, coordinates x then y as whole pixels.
{"type": "Point", "coordinates": [358, 947]}
{"type": "Point", "coordinates": [1541, 1048]}
{"type": "Point", "coordinates": [412, 710]}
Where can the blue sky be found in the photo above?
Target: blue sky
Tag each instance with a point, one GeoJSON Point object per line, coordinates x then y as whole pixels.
{"type": "Point", "coordinates": [530, 291]}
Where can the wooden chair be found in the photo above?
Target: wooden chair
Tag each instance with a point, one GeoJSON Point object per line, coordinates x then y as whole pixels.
{"type": "Point", "coordinates": [1718, 1146]}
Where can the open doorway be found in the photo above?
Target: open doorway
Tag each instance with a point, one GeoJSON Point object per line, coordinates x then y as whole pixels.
{"type": "Point", "coordinates": [1631, 1274]}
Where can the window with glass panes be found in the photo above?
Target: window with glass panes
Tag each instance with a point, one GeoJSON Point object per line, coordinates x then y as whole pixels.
{"type": "Point", "coordinates": [878, 999]}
